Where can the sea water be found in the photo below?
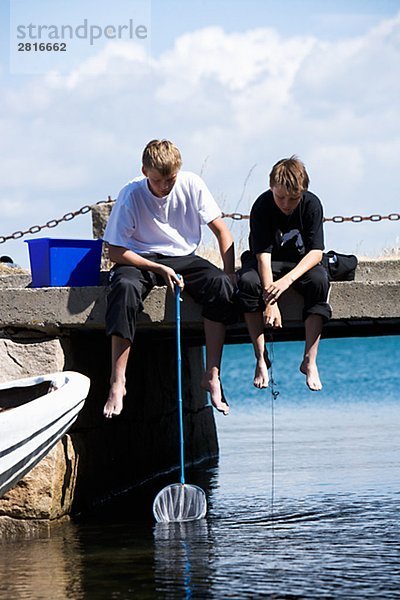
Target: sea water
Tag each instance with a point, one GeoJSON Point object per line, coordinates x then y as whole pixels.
{"type": "Point", "coordinates": [304, 502]}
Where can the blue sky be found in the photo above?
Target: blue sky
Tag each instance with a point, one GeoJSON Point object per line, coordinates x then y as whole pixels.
{"type": "Point", "coordinates": [237, 85]}
{"type": "Point", "coordinates": [327, 19]}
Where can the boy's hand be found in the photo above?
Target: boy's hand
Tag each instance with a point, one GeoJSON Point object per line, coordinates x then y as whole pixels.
{"type": "Point", "coordinates": [275, 289]}
{"type": "Point", "coordinates": [171, 278]}
{"type": "Point", "coordinates": [272, 316]}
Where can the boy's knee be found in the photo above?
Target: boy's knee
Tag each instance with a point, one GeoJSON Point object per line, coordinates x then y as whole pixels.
{"type": "Point", "coordinates": [221, 284]}
{"type": "Point", "coordinates": [249, 298]}
{"type": "Point", "coordinates": [249, 282]}
{"type": "Point", "coordinates": [317, 279]}
{"type": "Point", "coordinates": [125, 286]}
{"type": "Point", "coordinates": [316, 294]}
{"type": "Point", "coordinates": [218, 300]}
{"type": "Point", "coordinates": [123, 291]}
{"type": "Point", "coordinates": [321, 309]}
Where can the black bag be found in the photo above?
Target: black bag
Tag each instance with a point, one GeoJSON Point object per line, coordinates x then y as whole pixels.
{"type": "Point", "coordinates": [340, 267]}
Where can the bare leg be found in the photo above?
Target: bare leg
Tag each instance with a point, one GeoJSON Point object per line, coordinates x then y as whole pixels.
{"type": "Point", "coordinates": [313, 328]}
{"type": "Point", "coordinates": [215, 336]}
{"type": "Point", "coordinates": [120, 349]}
{"type": "Point", "coordinates": [255, 326]}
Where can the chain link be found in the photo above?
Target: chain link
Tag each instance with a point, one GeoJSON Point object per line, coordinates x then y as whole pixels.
{"type": "Point", "coordinates": [375, 218]}
{"type": "Point", "coordinates": [337, 219]}
{"type": "Point", "coordinates": [53, 222]}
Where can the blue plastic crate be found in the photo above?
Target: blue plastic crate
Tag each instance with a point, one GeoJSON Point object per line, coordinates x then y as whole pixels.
{"type": "Point", "coordinates": [61, 262]}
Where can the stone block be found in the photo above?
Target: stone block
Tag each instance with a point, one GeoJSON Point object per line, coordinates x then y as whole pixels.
{"type": "Point", "coordinates": [46, 492]}
{"type": "Point", "coordinates": [100, 216]}
{"type": "Point", "coordinates": [29, 357]}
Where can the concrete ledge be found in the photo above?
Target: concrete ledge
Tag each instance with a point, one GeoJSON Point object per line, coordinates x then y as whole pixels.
{"type": "Point", "coordinates": [352, 300]}
{"type": "Point", "coordinates": [373, 297]}
{"type": "Point", "coordinates": [378, 270]}
{"type": "Point", "coordinates": [54, 309]}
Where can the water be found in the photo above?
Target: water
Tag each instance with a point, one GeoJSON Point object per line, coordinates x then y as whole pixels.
{"type": "Point", "coordinates": [330, 529]}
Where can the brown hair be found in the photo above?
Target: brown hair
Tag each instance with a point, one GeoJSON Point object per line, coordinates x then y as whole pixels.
{"type": "Point", "coordinates": [291, 173]}
{"type": "Point", "coordinates": [163, 156]}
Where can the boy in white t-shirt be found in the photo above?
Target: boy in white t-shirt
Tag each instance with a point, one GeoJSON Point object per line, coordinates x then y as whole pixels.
{"type": "Point", "coordinates": [153, 232]}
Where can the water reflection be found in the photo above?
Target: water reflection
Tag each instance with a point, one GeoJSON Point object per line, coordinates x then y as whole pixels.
{"type": "Point", "coordinates": [182, 559]}
{"type": "Point", "coordinates": [43, 567]}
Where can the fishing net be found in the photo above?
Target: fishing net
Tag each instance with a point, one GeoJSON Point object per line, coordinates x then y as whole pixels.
{"type": "Point", "coordinates": [179, 502]}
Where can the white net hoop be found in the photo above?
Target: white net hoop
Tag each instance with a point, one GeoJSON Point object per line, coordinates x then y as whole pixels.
{"type": "Point", "coordinates": [179, 502]}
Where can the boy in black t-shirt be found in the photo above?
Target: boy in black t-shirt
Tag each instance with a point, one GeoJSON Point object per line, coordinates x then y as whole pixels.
{"type": "Point", "coordinates": [286, 245]}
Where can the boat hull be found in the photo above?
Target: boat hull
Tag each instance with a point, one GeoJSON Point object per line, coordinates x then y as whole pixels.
{"type": "Point", "coordinates": [29, 430]}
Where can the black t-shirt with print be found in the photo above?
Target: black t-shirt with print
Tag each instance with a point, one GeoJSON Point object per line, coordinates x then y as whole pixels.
{"type": "Point", "coordinates": [286, 237]}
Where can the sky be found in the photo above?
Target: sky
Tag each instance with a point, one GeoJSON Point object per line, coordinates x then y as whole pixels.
{"type": "Point", "coordinates": [236, 84]}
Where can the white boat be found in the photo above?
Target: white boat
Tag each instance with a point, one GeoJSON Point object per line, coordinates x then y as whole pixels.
{"type": "Point", "coordinates": [35, 413]}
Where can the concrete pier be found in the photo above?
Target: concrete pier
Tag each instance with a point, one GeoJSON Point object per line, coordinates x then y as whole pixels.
{"type": "Point", "coordinates": [371, 304]}
{"type": "Point", "coordinates": [48, 329]}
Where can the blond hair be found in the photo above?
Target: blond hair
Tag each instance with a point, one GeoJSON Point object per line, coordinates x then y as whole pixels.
{"type": "Point", "coordinates": [163, 156]}
{"type": "Point", "coordinates": [291, 174]}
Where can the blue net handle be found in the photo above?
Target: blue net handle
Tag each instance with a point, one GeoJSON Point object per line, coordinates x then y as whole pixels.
{"type": "Point", "coordinates": [179, 379]}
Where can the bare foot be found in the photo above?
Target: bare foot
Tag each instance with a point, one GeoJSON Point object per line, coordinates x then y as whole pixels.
{"type": "Point", "coordinates": [114, 404]}
{"type": "Point", "coordinates": [310, 370]}
{"type": "Point", "coordinates": [212, 384]}
{"type": "Point", "coordinates": [261, 377]}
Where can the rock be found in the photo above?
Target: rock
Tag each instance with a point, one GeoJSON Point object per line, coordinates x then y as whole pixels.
{"type": "Point", "coordinates": [44, 494]}
{"type": "Point", "coordinates": [13, 276]}
{"type": "Point", "coordinates": [29, 357]}
{"type": "Point", "coordinates": [11, 529]}
{"type": "Point", "coordinates": [100, 216]}
{"type": "Point", "coordinates": [12, 280]}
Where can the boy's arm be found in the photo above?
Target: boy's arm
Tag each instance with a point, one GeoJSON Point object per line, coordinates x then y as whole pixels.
{"type": "Point", "coordinates": [225, 243]}
{"type": "Point", "coordinates": [123, 256]}
{"type": "Point", "coordinates": [265, 269]}
{"type": "Point", "coordinates": [276, 288]}
{"type": "Point", "coordinates": [272, 314]}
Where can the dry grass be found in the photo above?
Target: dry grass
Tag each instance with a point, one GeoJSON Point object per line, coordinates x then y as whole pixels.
{"type": "Point", "coordinates": [6, 270]}
{"type": "Point", "coordinates": [384, 256]}
{"type": "Point", "coordinates": [391, 253]}
{"type": "Point", "coordinates": [210, 251]}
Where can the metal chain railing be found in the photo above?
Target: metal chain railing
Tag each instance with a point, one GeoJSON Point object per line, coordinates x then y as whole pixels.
{"type": "Point", "coordinates": [53, 222]}
{"type": "Point", "coordinates": [337, 219]}
{"type": "Point", "coordinates": [235, 216]}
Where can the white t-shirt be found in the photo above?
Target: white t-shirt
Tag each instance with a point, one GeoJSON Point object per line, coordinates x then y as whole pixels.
{"type": "Point", "coordinates": [144, 223]}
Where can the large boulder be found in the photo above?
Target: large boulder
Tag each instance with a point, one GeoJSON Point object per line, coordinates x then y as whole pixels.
{"type": "Point", "coordinates": [43, 495]}
{"type": "Point", "coordinates": [28, 355]}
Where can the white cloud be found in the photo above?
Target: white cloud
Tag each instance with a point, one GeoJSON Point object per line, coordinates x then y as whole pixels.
{"type": "Point", "coordinates": [239, 99]}
{"type": "Point", "coordinates": [357, 73]}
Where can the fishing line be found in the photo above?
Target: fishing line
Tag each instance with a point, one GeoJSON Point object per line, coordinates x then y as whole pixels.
{"type": "Point", "coordinates": [274, 395]}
